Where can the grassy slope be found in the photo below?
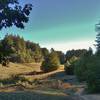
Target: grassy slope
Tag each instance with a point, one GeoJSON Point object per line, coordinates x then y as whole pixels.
{"type": "Point", "coordinates": [14, 69]}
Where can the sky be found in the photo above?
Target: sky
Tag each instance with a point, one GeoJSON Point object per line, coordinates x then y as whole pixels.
{"type": "Point", "coordinates": [61, 24]}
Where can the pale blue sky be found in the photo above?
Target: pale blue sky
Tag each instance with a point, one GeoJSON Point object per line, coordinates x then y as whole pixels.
{"type": "Point", "coordinates": [61, 23]}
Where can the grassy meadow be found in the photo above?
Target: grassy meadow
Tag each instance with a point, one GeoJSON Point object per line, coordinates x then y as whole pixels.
{"type": "Point", "coordinates": [19, 82]}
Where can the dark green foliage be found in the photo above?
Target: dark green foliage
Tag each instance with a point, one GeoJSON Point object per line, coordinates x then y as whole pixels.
{"type": "Point", "coordinates": [93, 75]}
{"type": "Point", "coordinates": [82, 65]}
{"type": "Point", "coordinates": [45, 52]}
{"type": "Point", "coordinates": [35, 51]}
{"type": "Point", "coordinates": [5, 61]}
{"type": "Point", "coordinates": [7, 45]}
{"type": "Point", "coordinates": [12, 13]}
{"type": "Point", "coordinates": [51, 62]}
{"type": "Point", "coordinates": [20, 50]}
{"type": "Point", "coordinates": [98, 43]}
{"type": "Point", "coordinates": [88, 69]}
{"type": "Point", "coordinates": [71, 57]}
{"type": "Point", "coordinates": [61, 56]}
{"type": "Point", "coordinates": [69, 65]}
{"type": "Point", "coordinates": [76, 53]}
{"type": "Point", "coordinates": [81, 68]}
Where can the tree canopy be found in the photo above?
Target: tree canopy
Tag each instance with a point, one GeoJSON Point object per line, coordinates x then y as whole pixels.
{"type": "Point", "coordinates": [13, 14]}
{"type": "Point", "coordinates": [20, 50]}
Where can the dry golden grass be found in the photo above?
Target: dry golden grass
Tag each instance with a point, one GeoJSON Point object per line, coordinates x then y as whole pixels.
{"type": "Point", "coordinates": [14, 69]}
{"type": "Point", "coordinates": [44, 75]}
{"type": "Point", "coordinates": [49, 84]}
{"type": "Point", "coordinates": [42, 86]}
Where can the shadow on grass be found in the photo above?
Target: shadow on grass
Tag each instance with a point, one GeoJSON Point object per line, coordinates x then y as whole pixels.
{"type": "Point", "coordinates": [58, 75]}
{"type": "Point", "coordinates": [32, 73]}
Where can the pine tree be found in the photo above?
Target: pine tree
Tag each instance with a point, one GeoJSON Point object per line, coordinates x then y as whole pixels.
{"type": "Point", "coordinates": [7, 45]}
{"type": "Point", "coordinates": [51, 62]}
{"type": "Point", "coordinates": [98, 42]}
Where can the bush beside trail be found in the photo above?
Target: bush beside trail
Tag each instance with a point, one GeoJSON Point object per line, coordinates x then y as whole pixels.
{"type": "Point", "coordinates": [50, 63]}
